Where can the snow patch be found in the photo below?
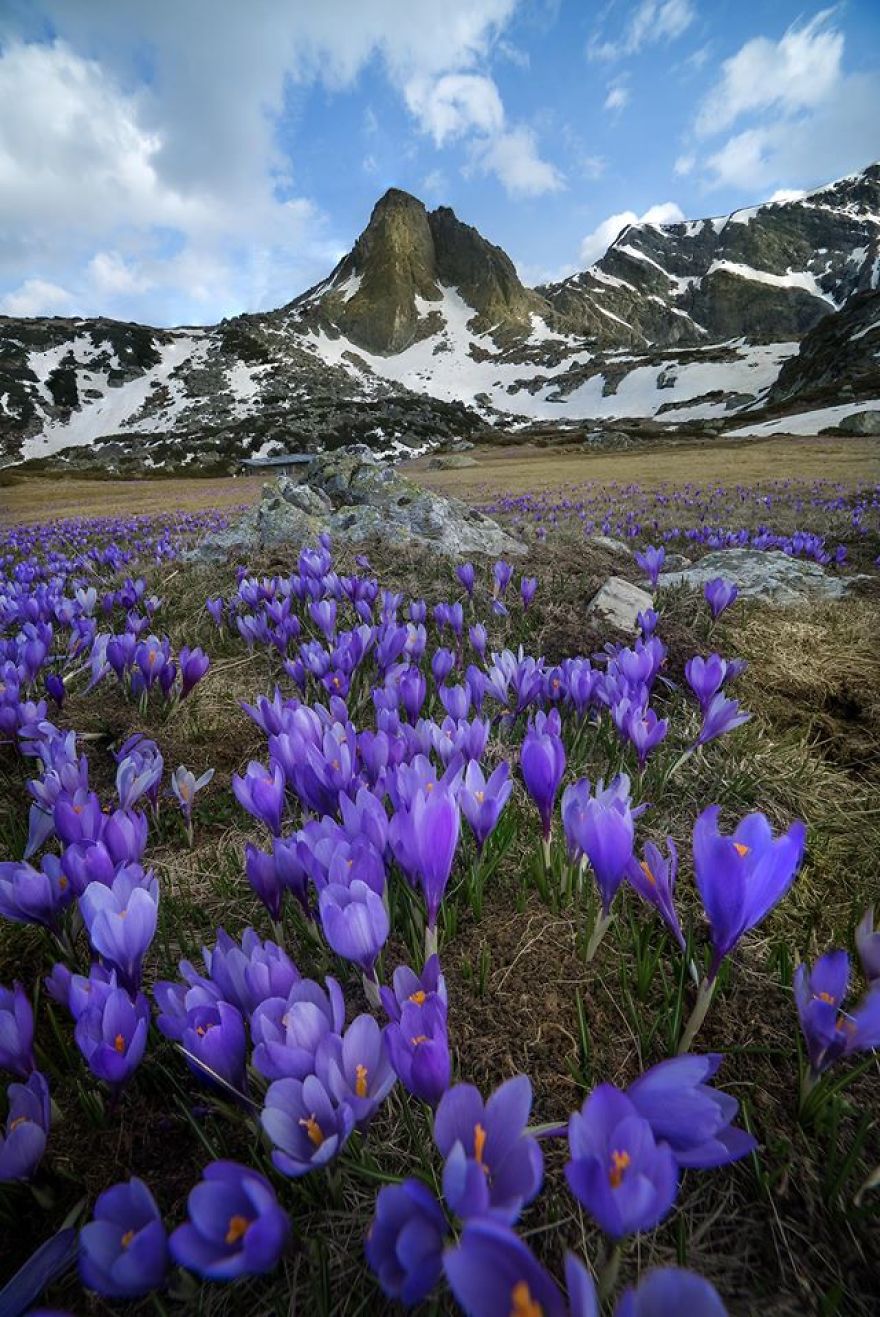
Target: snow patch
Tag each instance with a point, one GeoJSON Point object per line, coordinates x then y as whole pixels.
{"type": "Point", "coordinates": [806, 422]}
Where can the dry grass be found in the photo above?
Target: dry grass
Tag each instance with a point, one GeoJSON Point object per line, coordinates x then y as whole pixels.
{"type": "Point", "coordinates": [506, 470]}
{"type": "Point", "coordinates": [34, 499]}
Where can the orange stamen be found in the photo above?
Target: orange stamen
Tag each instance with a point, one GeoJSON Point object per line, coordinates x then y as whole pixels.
{"type": "Point", "coordinates": [360, 1083]}
{"type": "Point", "coordinates": [619, 1162]}
{"type": "Point", "coordinates": [741, 850]}
{"type": "Point", "coordinates": [419, 997]}
{"type": "Point", "coordinates": [313, 1129]}
{"type": "Point", "coordinates": [238, 1228]}
{"type": "Point", "coordinates": [523, 1305]}
{"type": "Point", "coordinates": [119, 1043]}
{"type": "Point", "coordinates": [647, 872]}
{"type": "Point", "coordinates": [480, 1146]}
{"type": "Point", "coordinates": [420, 1038]}
{"type": "Point", "coordinates": [127, 1238]}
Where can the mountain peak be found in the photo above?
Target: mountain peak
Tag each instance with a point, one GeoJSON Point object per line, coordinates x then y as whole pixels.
{"type": "Point", "coordinates": [380, 295]}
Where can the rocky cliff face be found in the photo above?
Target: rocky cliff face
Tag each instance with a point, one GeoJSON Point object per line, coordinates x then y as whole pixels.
{"type": "Point", "coordinates": [424, 332]}
{"type": "Point", "coordinates": [388, 291]}
{"type": "Point", "coordinates": [839, 359]}
{"type": "Point", "coordinates": [768, 274]}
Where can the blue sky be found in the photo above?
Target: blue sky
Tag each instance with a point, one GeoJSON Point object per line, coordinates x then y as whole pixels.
{"type": "Point", "coordinates": [175, 163]}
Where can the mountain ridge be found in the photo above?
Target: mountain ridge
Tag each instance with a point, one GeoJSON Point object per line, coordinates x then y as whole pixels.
{"type": "Point", "coordinates": [424, 332]}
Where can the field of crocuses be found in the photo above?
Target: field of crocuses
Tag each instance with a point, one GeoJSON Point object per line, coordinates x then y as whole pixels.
{"type": "Point", "coordinates": [378, 935]}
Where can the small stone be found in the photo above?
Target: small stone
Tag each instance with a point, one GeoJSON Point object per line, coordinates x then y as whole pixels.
{"type": "Point", "coordinates": [608, 542]}
{"type": "Point", "coordinates": [618, 603]}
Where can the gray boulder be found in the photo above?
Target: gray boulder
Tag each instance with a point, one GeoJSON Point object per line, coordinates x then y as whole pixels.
{"type": "Point", "coordinates": [769, 575]}
{"type": "Point", "coordinates": [451, 462]}
{"type": "Point", "coordinates": [618, 603]}
{"type": "Point", "coordinates": [349, 494]}
{"type": "Point", "coordinates": [860, 423]}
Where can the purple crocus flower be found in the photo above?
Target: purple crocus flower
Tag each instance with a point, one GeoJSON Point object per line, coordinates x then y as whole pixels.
{"type": "Point", "coordinates": [742, 877]}
{"type": "Point", "coordinates": [719, 594]}
{"type": "Point", "coordinates": [407, 986]}
{"type": "Point", "coordinates": [263, 873]}
{"type": "Point", "coordinates": [123, 1251]}
{"type": "Point", "coordinates": [427, 834]}
{"type": "Point", "coordinates": [705, 677]}
{"type": "Point", "coordinates": [55, 688]}
{"type": "Point", "coordinates": [618, 1171]}
{"type": "Point", "coordinates": [720, 715]}
{"type": "Point", "coordinates": [34, 896]}
{"type": "Point", "coordinates": [465, 573]}
{"type": "Point", "coordinates": [77, 992]}
{"type": "Point", "coordinates": [695, 1119]}
{"type": "Point", "coordinates": [645, 731]}
{"type": "Point", "coordinates": [647, 622]}
{"type": "Point", "coordinates": [528, 588]}
{"type": "Point", "coordinates": [868, 946]}
{"type": "Point", "coordinates": [542, 761]}
{"type": "Point", "coordinates": [418, 1046]}
{"type": "Point", "coordinates": [502, 572]}
{"type": "Point", "coordinates": [493, 1167]}
{"type": "Point", "coordinates": [306, 1124]}
{"type": "Point", "coordinates": [651, 561]}
{"type": "Point", "coordinates": [600, 827]}
{"type": "Point", "coordinates": [214, 1041]}
{"type": "Point", "coordinates": [669, 1290]}
{"type": "Point", "coordinates": [442, 663]}
{"type": "Point", "coordinates": [491, 1271]}
{"type": "Point", "coordinates": [16, 1031]}
{"type": "Point", "coordinates": [121, 923]}
{"type": "Point", "coordinates": [355, 922]}
{"type": "Point", "coordinates": [287, 1032]}
{"type": "Point", "coordinates": [185, 785]}
{"type": "Point", "coordinates": [261, 793]}
{"type": "Point", "coordinates": [482, 801]}
{"type": "Point", "coordinates": [248, 973]}
{"type": "Point", "coordinates": [479, 638]}
{"type": "Point", "coordinates": [125, 835]}
{"type": "Point", "coordinates": [830, 1030]}
{"type": "Point", "coordinates": [235, 1225]}
{"type": "Point", "coordinates": [654, 880]}
{"type": "Point", "coordinates": [112, 1035]}
{"type": "Point", "coordinates": [27, 1128]}
{"type": "Point", "coordinates": [404, 1247]}
{"type": "Point", "coordinates": [355, 1068]}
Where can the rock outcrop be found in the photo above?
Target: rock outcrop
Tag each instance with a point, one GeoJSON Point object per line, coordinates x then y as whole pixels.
{"type": "Point", "coordinates": [354, 498]}
{"type": "Point", "coordinates": [768, 575]}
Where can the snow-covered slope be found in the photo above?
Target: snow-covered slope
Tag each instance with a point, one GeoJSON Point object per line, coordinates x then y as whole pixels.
{"type": "Point", "coordinates": [424, 332]}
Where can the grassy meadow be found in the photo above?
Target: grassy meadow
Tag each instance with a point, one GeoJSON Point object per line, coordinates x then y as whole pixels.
{"type": "Point", "coordinates": [782, 1232]}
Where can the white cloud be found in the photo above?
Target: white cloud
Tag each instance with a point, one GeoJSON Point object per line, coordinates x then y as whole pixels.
{"type": "Point", "coordinates": [190, 209]}
{"type": "Point", "coordinates": [37, 297]}
{"type": "Point", "coordinates": [799, 116]}
{"type": "Point", "coordinates": [455, 104]}
{"type": "Point", "coordinates": [513, 157]}
{"type": "Point", "coordinates": [595, 244]}
{"type": "Point", "coordinates": [617, 98]}
{"type": "Point", "coordinates": [651, 22]}
{"type": "Point", "coordinates": [684, 165]}
{"type": "Point", "coordinates": [798, 72]}
{"type": "Point", "coordinates": [111, 273]}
